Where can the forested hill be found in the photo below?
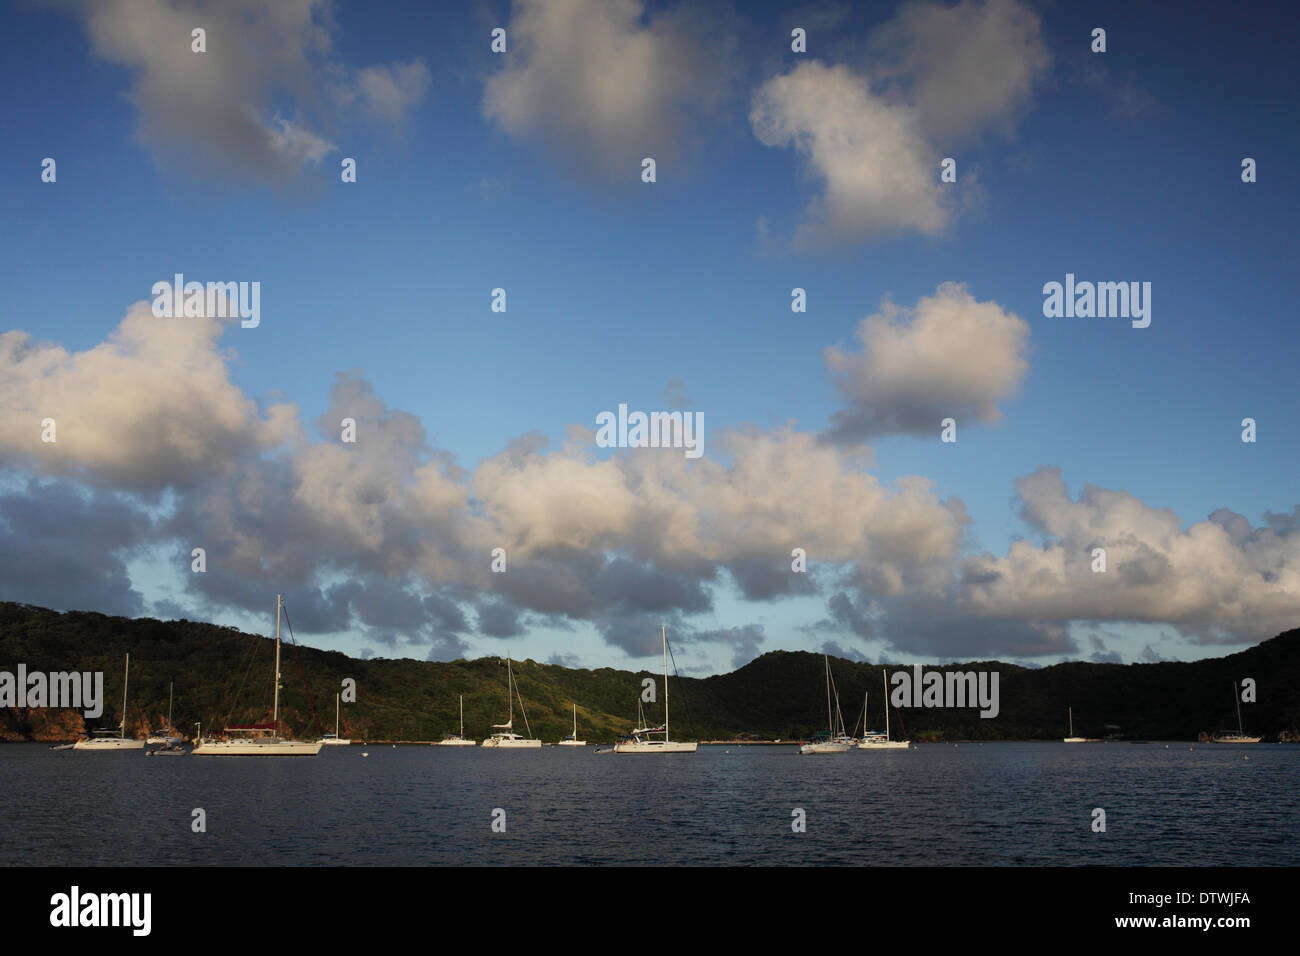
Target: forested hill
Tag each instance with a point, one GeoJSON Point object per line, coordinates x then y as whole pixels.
{"type": "Point", "coordinates": [223, 676]}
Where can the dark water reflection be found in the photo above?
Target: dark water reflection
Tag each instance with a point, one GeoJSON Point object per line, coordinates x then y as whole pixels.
{"type": "Point", "coordinates": [971, 804]}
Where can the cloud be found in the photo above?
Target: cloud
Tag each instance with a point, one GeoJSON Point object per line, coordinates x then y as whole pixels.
{"type": "Point", "coordinates": [498, 618]}
{"type": "Point", "coordinates": [846, 613]}
{"type": "Point", "coordinates": [152, 407]}
{"type": "Point", "coordinates": [765, 577]}
{"type": "Point", "coordinates": [1218, 581]}
{"type": "Point", "coordinates": [873, 137]}
{"type": "Point", "coordinates": [948, 356]}
{"type": "Point", "coordinates": [600, 88]}
{"type": "Point", "coordinates": [67, 550]}
{"type": "Point", "coordinates": [675, 394]}
{"type": "Point", "coordinates": [744, 641]}
{"type": "Point", "coordinates": [389, 92]}
{"type": "Point", "coordinates": [835, 649]}
{"type": "Point", "coordinates": [966, 68]}
{"type": "Point", "coordinates": [222, 112]}
{"type": "Point", "coordinates": [949, 629]}
{"type": "Point", "coordinates": [1128, 100]}
{"type": "Point", "coordinates": [638, 634]}
{"type": "Point", "coordinates": [389, 537]}
{"type": "Point", "coordinates": [878, 174]}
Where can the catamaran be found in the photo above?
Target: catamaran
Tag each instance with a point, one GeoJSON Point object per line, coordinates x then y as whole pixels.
{"type": "Point", "coordinates": [875, 741]}
{"type": "Point", "coordinates": [1073, 739]}
{"type": "Point", "coordinates": [572, 740]}
{"type": "Point", "coordinates": [835, 743]}
{"type": "Point", "coordinates": [103, 740]}
{"type": "Point", "coordinates": [507, 738]}
{"type": "Point", "coordinates": [334, 740]}
{"type": "Point", "coordinates": [168, 734]}
{"type": "Point", "coordinates": [642, 741]}
{"type": "Point", "coordinates": [460, 740]}
{"type": "Point", "coordinates": [1240, 736]}
{"type": "Point", "coordinates": [270, 745]}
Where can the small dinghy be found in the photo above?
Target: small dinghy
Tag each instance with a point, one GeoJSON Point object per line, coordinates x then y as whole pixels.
{"type": "Point", "coordinates": [170, 750]}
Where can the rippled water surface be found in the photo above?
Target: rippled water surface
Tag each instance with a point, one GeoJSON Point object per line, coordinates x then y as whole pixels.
{"type": "Point", "coordinates": [938, 804]}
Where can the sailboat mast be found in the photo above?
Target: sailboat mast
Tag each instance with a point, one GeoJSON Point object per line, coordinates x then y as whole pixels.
{"type": "Point", "coordinates": [510, 685]}
{"type": "Point", "coordinates": [575, 721]}
{"type": "Point", "coordinates": [830, 719]}
{"type": "Point", "coordinates": [336, 716]}
{"type": "Point", "coordinates": [126, 676]}
{"type": "Point", "coordinates": [1071, 710]}
{"type": "Point", "coordinates": [884, 677]}
{"type": "Point", "coordinates": [663, 632]}
{"type": "Point", "coordinates": [462, 715]}
{"type": "Point", "coordinates": [170, 685]}
{"type": "Point", "coordinates": [1235, 696]}
{"type": "Point", "coordinates": [275, 712]}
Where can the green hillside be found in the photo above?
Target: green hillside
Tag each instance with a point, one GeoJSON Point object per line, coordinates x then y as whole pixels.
{"type": "Point", "coordinates": [223, 675]}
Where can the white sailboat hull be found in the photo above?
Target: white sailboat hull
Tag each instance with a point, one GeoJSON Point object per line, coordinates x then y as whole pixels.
{"type": "Point", "coordinates": [572, 743]}
{"type": "Point", "coordinates": [507, 743]}
{"type": "Point", "coordinates": [257, 748]}
{"type": "Point", "coordinates": [1235, 739]}
{"type": "Point", "coordinates": [108, 743]}
{"type": "Point", "coordinates": [456, 742]}
{"type": "Point", "coordinates": [335, 742]}
{"type": "Point", "coordinates": [884, 745]}
{"type": "Point", "coordinates": [655, 747]}
{"type": "Point", "coordinates": [831, 747]}
{"type": "Point", "coordinates": [163, 740]}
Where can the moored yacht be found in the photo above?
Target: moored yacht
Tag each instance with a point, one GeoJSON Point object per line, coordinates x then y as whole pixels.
{"type": "Point", "coordinates": [876, 741]}
{"type": "Point", "coordinates": [105, 740]}
{"type": "Point", "coordinates": [643, 739]}
{"type": "Point", "coordinates": [334, 740]}
{"type": "Point", "coordinates": [168, 734]}
{"type": "Point", "coordinates": [506, 738]}
{"type": "Point", "coordinates": [1240, 737]}
{"type": "Point", "coordinates": [458, 740]}
{"type": "Point", "coordinates": [263, 740]}
{"type": "Point", "coordinates": [1073, 739]}
{"type": "Point", "coordinates": [837, 741]}
{"type": "Point", "coordinates": [572, 740]}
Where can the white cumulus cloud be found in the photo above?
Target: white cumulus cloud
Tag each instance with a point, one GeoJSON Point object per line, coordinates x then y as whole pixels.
{"type": "Point", "coordinates": [948, 356]}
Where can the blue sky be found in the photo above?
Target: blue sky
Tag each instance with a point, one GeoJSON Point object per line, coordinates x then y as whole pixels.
{"type": "Point", "coordinates": [1115, 166]}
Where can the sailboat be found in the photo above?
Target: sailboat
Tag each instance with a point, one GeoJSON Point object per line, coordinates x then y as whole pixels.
{"type": "Point", "coordinates": [459, 740]}
{"type": "Point", "coordinates": [167, 735]}
{"type": "Point", "coordinates": [271, 745]}
{"type": "Point", "coordinates": [1073, 739]}
{"type": "Point", "coordinates": [835, 743]}
{"type": "Point", "coordinates": [334, 740]}
{"type": "Point", "coordinates": [103, 740]}
{"type": "Point", "coordinates": [1239, 737]}
{"type": "Point", "coordinates": [642, 742]}
{"type": "Point", "coordinates": [572, 740]}
{"type": "Point", "coordinates": [874, 741]}
{"type": "Point", "coordinates": [507, 738]}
